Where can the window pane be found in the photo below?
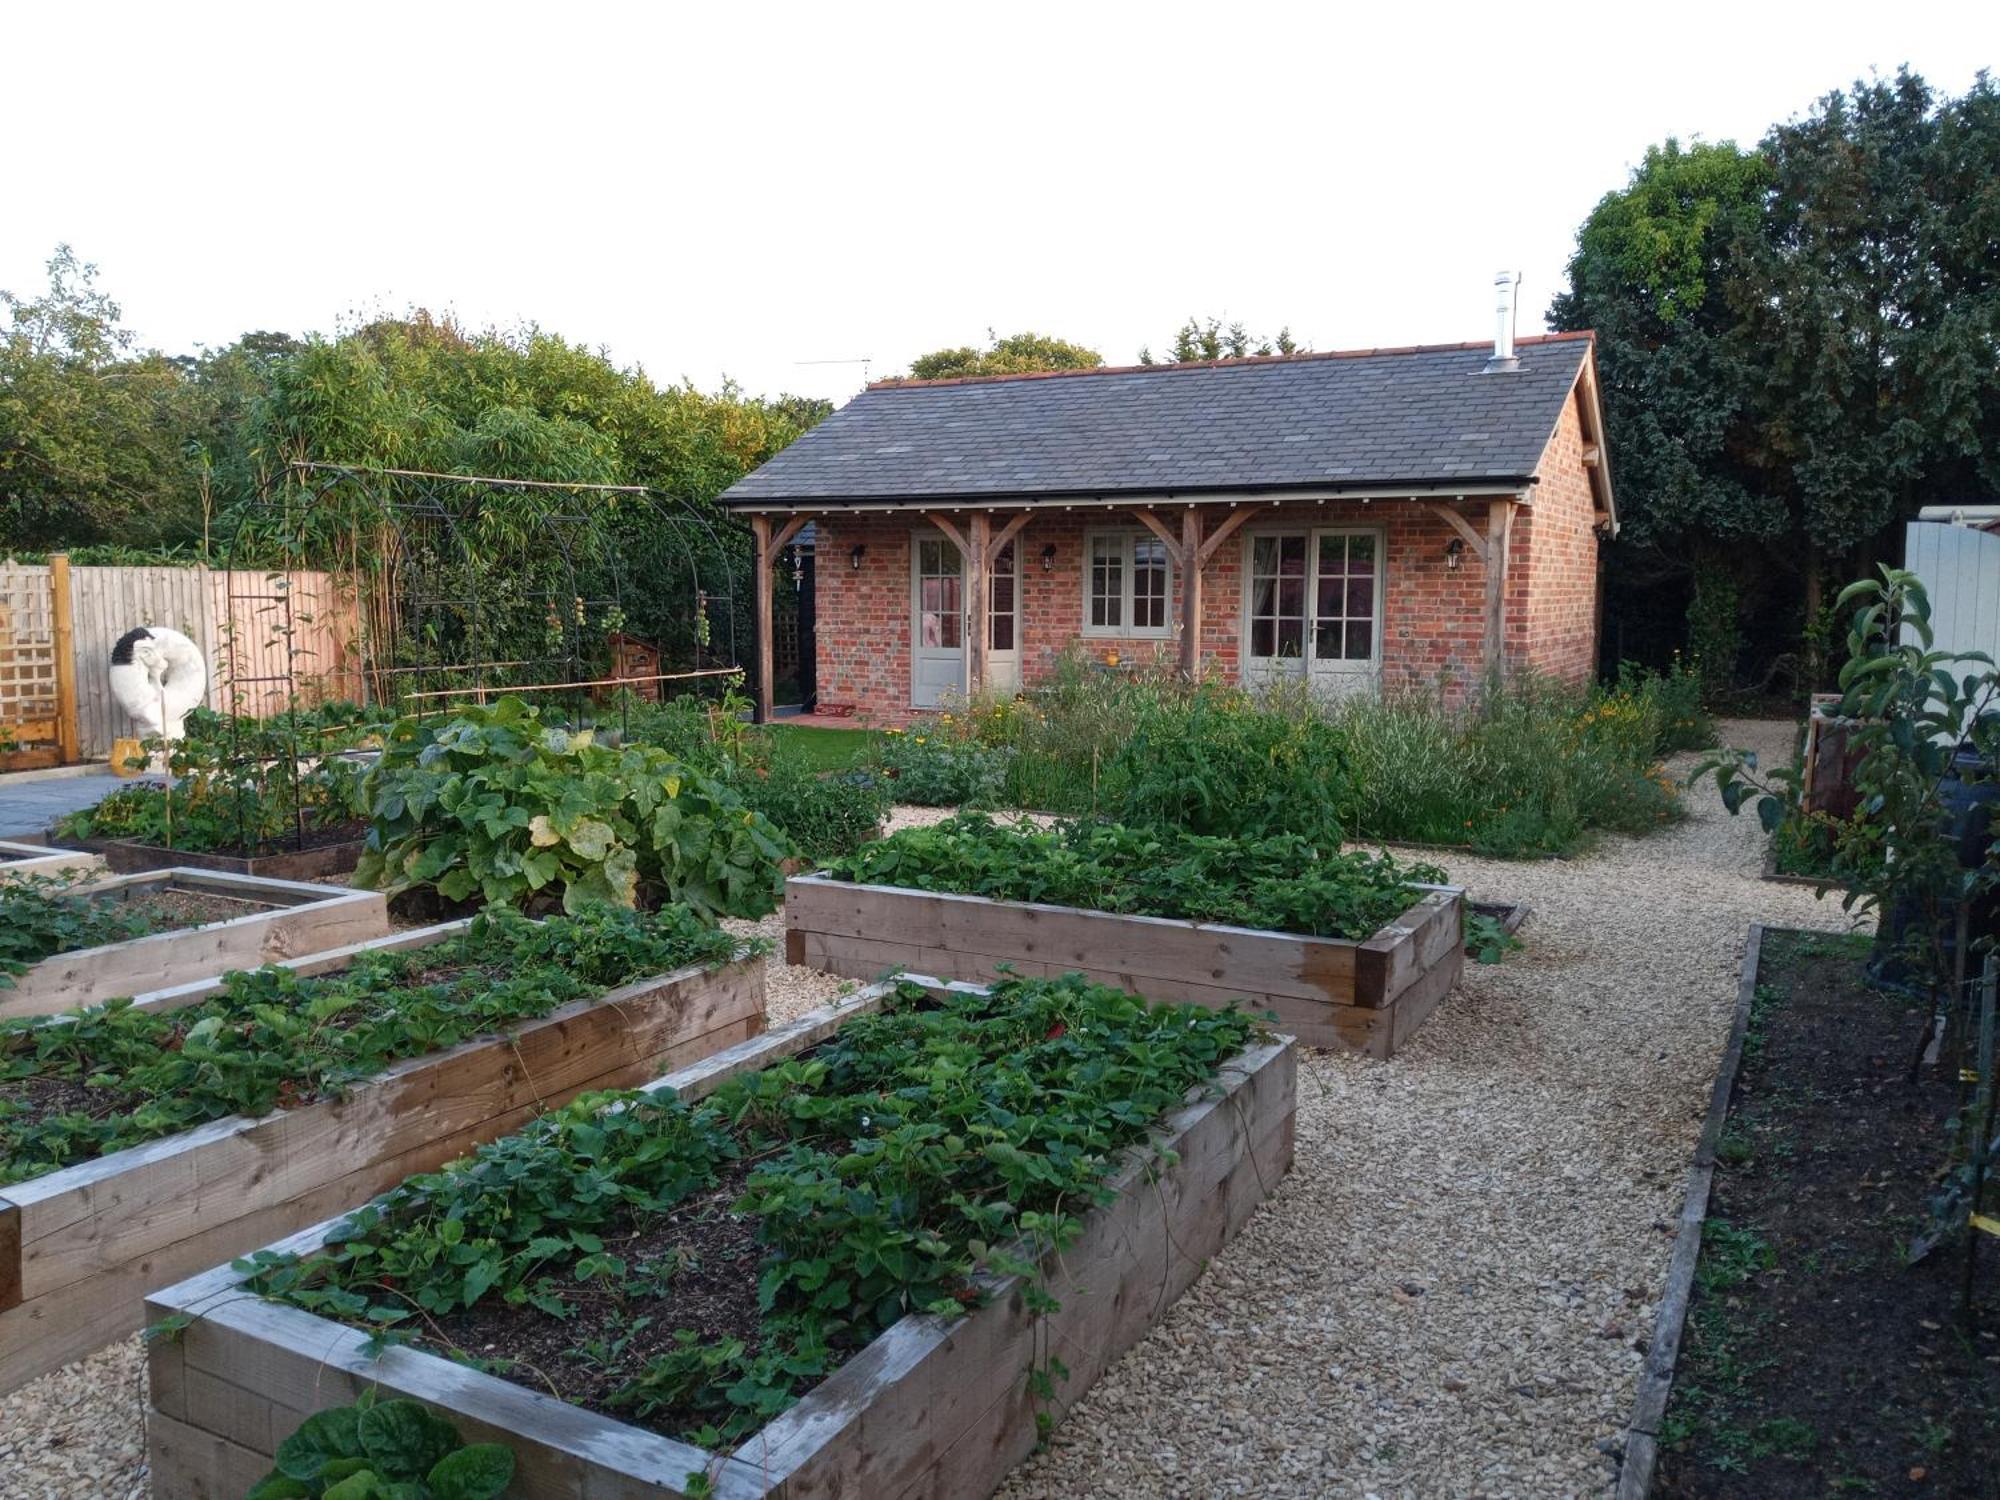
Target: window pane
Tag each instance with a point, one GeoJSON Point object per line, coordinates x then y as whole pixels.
{"type": "Point", "coordinates": [1361, 597]}
{"type": "Point", "coordinates": [1264, 555]}
{"type": "Point", "coordinates": [1327, 640]}
{"type": "Point", "coordinates": [1292, 556]}
{"type": "Point", "coordinates": [1004, 563]}
{"type": "Point", "coordinates": [1361, 554]}
{"type": "Point", "coordinates": [948, 630]}
{"type": "Point", "coordinates": [930, 594]}
{"type": "Point", "coordinates": [1262, 634]}
{"type": "Point", "coordinates": [1360, 643]}
{"type": "Point", "coordinates": [1264, 596]}
{"type": "Point", "coordinates": [1149, 583]}
{"type": "Point", "coordinates": [1291, 637]}
{"type": "Point", "coordinates": [949, 596]}
{"type": "Point", "coordinates": [1003, 632]}
{"type": "Point", "coordinates": [1292, 597]}
{"type": "Point", "coordinates": [1107, 582]}
{"type": "Point", "coordinates": [1332, 597]}
{"type": "Point", "coordinates": [947, 558]}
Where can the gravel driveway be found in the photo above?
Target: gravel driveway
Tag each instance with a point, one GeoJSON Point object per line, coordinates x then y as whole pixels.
{"type": "Point", "coordinates": [1448, 1294]}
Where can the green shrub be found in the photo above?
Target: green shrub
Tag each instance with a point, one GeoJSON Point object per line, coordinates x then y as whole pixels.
{"type": "Point", "coordinates": [1214, 763]}
{"type": "Point", "coordinates": [940, 769]}
{"type": "Point", "coordinates": [1282, 883]}
{"type": "Point", "coordinates": [1534, 768]}
{"type": "Point", "coordinates": [823, 814]}
{"type": "Point", "coordinates": [1676, 695]}
{"type": "Point", "coordinates": [494, 805]}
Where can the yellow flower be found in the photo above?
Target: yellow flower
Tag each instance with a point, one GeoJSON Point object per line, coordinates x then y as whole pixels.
{"type": "Point", "coordinates": [920, 739]}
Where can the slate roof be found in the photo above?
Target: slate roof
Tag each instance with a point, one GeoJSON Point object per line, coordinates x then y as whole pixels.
{"type": "Point", "coordinates": [1427, 417]}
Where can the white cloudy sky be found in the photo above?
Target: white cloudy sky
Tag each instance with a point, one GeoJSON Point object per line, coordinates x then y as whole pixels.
{"type": "Point", "coordinates": [747, 189]}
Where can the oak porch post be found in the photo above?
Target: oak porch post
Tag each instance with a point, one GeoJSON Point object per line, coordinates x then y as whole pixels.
{"type": "Point", "coordinates": [1190, 561]}
{"type": "Point", "coordinates": [979, 619]}
{"type": "Point", "coordinates": [760, 529]}
{"type": "Point", "coordinates": [1499, 532]}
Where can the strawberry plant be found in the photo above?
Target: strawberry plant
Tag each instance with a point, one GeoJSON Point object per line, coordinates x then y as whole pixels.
{"type": "Point", "coordinates": [879, 1174]}
{"type": "Point", "coordinates": [1282, 882]}
{"type": "Point", "coordinates": [40, 916]}
{"type": "Point", "coordinates": [110, 1077]}
{"type": "Point", "coordinates": [495, 806]}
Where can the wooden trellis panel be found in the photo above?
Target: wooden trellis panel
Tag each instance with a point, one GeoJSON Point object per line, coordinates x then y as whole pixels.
{"type": "Point", "coordinates": [30, 710]}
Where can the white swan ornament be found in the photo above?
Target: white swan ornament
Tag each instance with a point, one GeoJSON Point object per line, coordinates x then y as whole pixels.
{"type": "Point", "coordinates": [158, 676]}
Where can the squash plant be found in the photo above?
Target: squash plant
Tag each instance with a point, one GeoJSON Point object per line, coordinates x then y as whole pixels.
{"type": "Point", "coordinates": [497, 806]}
{"type": "Point", "coordinates": [384, 1450]}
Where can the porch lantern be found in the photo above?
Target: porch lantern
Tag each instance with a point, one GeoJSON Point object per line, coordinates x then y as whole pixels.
{"type": "Point", "coordinates": [1049, 558]}
{"type": "Point", "coordinates": [1454, 553]}
{"type": "Point", "coordinates": [855, 555]}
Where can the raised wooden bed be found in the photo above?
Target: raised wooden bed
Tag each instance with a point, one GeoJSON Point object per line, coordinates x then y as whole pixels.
{"type": "Point", "coordinates": [282, 919]}
{"type": "Point", "coordinates": [81, 1247]}
{"type": "Point", "coordinates": [1328, 992]}
{"type": "Point", "coordinates": [129, 856]}
{"type": "Point", "coordinates": [38, 859]}
{"type": "Point", "coordinates": [931, 1408]}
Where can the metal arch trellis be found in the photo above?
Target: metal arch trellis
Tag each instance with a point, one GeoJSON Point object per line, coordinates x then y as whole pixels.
{"type": "Point", "coordinates": [451, 611]}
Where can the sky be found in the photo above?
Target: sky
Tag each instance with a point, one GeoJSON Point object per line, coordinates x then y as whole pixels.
{"type": "Point", "coordinates": [773, 193]}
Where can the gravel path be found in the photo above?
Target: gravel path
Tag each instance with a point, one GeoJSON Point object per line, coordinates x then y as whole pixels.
{"type": "Point", "coordinates": [1449, 1294]}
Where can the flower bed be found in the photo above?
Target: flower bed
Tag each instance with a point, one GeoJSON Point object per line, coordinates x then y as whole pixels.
{"type": "Point", "coordinates": [1350, 951]}
{"type": "Point", "coordinates": [932, 1253]}
{"type": "Point", "coordinates": [187, 933]}
{"type": "Point", "coordinates": [144, 1142]}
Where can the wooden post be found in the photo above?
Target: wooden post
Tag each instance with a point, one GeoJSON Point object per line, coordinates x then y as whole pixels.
{"type": "Point", "coordinates": [979, 618]}
{"type": "Point", "coordinates": [1499, 532]}
{"type": "Point", "coordinates": [68, 740]}
{"type": "Point", "coordinates": [760, 529]}
{"type": "Point", "coordinates": [1191, 561]}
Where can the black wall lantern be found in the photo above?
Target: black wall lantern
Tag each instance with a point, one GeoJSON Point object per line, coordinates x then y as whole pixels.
{"type": "Point", "coordinates": [1049, 558]}
{"type": "Point", "coordinates": [854, 557]}
{"type": "Point", "coordinates": [1454, 551]}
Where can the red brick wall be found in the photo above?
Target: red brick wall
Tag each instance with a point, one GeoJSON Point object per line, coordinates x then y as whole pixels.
{"type": "Point", "coordinates": [1553, 598]}
{"type": "Point", "coordinates": [1433, 618]}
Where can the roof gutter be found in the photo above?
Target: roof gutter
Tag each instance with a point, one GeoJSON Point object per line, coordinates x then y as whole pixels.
{"type": "Point", "coordinates": [1514, 487]}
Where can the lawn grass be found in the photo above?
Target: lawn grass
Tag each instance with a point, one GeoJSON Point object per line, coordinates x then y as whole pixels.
{"type": "Point", "coordinates": [824, 749]}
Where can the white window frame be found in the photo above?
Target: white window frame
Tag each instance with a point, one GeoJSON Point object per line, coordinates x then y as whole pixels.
{"type": "Point", "coordinates": [1125, 536]}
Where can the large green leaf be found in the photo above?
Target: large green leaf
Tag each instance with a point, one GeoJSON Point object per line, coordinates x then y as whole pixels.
{"type": "Point", "coordinates": [480, 1471]}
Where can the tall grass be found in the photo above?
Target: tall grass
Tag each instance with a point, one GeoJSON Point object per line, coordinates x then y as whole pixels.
{"type": "Point", "coordinates": [1533, 767]}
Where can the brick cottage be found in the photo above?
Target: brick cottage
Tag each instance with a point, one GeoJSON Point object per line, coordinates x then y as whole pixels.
{"type": "Point", "coordinates": [1384, 519]}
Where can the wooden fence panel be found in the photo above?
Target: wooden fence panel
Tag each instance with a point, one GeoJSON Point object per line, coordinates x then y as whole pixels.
{"type": "Point", "coordinates": [28, 700]}
{"type": "Point", "coordinates": [257, 659]}
{"type": "Point", "coordinates": [111, 601]}
{"type": "Point", "coordinates": [278, 634]}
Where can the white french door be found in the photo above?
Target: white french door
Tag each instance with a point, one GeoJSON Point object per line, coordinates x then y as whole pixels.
{"type": "Point", "coordinates": [1313, 608]}
{"type": "Point", "coordinates": [1003, 614]}
{"type": "Point", "coordinates": [937, 623]}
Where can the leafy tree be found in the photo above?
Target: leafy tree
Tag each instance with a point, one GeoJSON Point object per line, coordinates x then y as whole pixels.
{"type": "Point", "coordinates": [92, 431]}
{"type": "Point", "coordinates": [1017, 354]}
{"type": "Point", "coordinates": [1196, 340]}
{"type": "Point", "coordinates": [1797, 344]}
